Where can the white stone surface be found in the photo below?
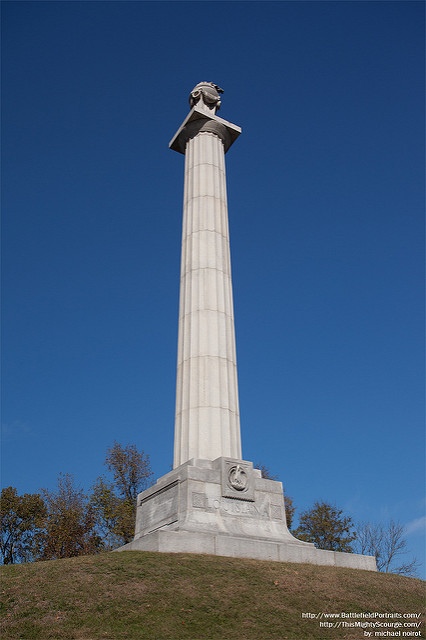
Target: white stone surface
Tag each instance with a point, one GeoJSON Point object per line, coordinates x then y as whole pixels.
{"type": "Point", "coordinates": [190, 542]}
{"type": "Point", "coordinates": [196, 509]}
{"type": "Point", "coordinates": [207, 422]}
{"type": "Point", "coordinates": [199, 118]}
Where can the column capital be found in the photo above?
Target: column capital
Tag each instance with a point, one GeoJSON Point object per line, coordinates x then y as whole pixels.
{"type": "Point", "coordinates": [197, 121]}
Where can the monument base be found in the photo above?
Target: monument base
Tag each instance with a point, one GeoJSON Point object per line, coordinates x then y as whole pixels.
{"type": "Point", "coordinates": [224, 507]}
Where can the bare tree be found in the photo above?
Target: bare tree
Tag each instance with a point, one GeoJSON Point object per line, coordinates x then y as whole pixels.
{"type": "Point", "coordinates": [266, 473]}
{"type": "Point", "coordinates": [387, 543]}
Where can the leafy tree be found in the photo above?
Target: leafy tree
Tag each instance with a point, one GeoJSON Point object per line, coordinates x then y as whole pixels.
{"type": "Point", "coordinates": [288, 502]}
{"type": "Point", "coordinates": [114, 501]}
{"type": "Point", "coordinates": [387, 544]}
{"type": "Point", "coordinates": [131, 469]}
{"type": "Point", "coordinates": [21, 518]}
{"type": "Point", "coordinates": [327, 527]}
{"type": "Point", "coordinates": [69, 523]}
{"type": "Point", "coordinates": [114, 515]}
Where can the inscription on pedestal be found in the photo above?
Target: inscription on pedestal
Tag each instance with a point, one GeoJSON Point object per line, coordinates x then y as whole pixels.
{"type": "Point", "coordinates": [199, 500]}
{"type": "Point", "coordinates": [276, 512]}
{"type": "Point", "coordinates": [160, 508]}
{"type": "Point", "coordinates": [231, 507]}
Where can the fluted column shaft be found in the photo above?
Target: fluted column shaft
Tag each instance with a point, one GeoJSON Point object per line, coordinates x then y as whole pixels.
{"type": "Point", "coordinates": [207, 421]}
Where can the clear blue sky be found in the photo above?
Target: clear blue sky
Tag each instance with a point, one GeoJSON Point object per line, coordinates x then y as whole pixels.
{"type": "Point", "coordinates": [326, 198]}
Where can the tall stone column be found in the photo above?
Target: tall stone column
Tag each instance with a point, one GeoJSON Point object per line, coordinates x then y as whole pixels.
{"type": "Point", "coordinates": [213, 501]}
{"type": "Point", "coordinates": [207, 424]}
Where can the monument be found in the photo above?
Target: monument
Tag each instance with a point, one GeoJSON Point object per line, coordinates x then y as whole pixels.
{"type": "Point", "coordinates": [213, 501]}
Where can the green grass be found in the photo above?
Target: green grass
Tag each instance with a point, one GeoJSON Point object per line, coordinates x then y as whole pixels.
{"type": "Point", "coordinates": [153, 596]}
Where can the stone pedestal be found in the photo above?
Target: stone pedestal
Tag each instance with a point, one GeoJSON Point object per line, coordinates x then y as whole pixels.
{"type": "Point", "coordinates": [224, 507]}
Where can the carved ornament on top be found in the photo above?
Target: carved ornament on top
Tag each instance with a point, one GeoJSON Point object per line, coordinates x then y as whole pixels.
{"type": "Point", "coordinates": [207, 96]}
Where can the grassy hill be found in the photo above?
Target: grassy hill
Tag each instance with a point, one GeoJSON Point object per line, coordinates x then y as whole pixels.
{"type": "Point", "coordinates": [142, 595]}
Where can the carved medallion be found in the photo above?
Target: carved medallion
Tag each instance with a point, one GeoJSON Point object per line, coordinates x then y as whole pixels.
{"type": "Point", "coordinates": [237, 478]}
